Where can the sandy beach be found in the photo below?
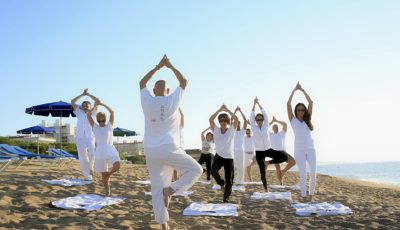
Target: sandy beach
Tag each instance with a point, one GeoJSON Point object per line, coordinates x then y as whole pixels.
{"type": "Point", "coordinates": [24, 203]}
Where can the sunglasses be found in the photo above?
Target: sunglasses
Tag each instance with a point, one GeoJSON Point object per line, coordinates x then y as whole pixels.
{"type": "Point", "coordinates": [223, 120]}
{"type": "Point", "coordinates": [300, 110]}
{"type": "Point", "coordinates": [102, 121]}
{"type": "Point", "coordinates": [259, 119]}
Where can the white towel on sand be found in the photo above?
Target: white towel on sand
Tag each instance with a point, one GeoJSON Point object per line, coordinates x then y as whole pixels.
{"type": "Point", "coordinates": [142, 182]}
{"type": "Point", "coordinates": [271, 196]}
{"type": "Point", "coordinates": [252, 182]}
{"type": "Point", "coordinates": [89, 202]}
{"type": "Point", "coordinates": [291, 187]}
{"type": "Point", "coordinates": [184, 193]}
{"type": "Point", "coordinates": [234, 188]}
{"type": "Point", "coordinates": [204, 181]}
{"type": "Point", "coordinates": [321, 209]}
{"type": "Point", "coordinates": [198, 209]}
{"type": "Point", "coordinates": [67, 182]}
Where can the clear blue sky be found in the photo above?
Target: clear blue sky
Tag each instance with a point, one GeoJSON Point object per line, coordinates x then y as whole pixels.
{"type": "Point", "coordinates": [345, 53]}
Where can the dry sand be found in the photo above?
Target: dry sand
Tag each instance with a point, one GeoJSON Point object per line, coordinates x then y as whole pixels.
{"type": "Point", "coordinates": [24, 202]}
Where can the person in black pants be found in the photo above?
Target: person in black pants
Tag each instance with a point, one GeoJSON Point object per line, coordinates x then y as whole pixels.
{"type": "Point", "coordinates": [207, 151]}
{"type": "Point", "coordinates": [260, 125]}
{"type": "Point", "coordinates": [224, 138]}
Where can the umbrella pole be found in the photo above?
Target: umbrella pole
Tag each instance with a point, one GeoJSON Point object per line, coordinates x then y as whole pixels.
{"type": "Point", "coordinates": [38, 136]}
{"type": "Point", "coordinates": [60, 134]}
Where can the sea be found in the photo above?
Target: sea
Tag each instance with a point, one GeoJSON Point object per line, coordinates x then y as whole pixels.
{"type": "Point", "coordinates": [378, 172]}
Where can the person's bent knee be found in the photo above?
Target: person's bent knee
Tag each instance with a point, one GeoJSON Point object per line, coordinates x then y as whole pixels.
{"type": "Point", "coordinates": [117, 165]}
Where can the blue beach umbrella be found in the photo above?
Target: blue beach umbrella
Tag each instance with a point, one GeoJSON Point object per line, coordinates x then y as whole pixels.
{"type": "Point", "coordinates": [55, 109]}
{"type": "Point", "coordinates": [37, 130]}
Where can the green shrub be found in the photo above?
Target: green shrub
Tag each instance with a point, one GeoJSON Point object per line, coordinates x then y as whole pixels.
{"type": "Point", "coordinates": [138, 159]}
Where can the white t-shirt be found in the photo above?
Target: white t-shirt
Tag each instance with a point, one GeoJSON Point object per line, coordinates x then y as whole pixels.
{"type": "Point", "coordinates": [162, 119]}
{"type": "Point", "coordinates": [239, 139]}
{"type": "Point", "coordinates": [260, 134]}
{"type": "Point", "coordinates": [83, 127]}
{"type": "Point", "coordinates": [104, 135]}
{"type": "Point", "coordinates": [302, 135]}
{"type": "Point", "coordinates": [208, 147]}
{"type": "Point", "coordinates": [277, 140]}
{"type": "Point", "coordinates": [249, 144]}
{"type": "Point", "coordinates": [224, 142]}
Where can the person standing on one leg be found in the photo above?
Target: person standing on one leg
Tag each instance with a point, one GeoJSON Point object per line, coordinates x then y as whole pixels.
{"type": "Point", "coordinates": [207, 151]}
{"type": "Point", "coordinates": [182, 125]}
{"type": "Point", "coordinates": [259, 125]}
{"type": "Point", "coordinates": [238, 148]}
{"type": "Point", "coordinates": [278, 143]}
{"type": "Point", "coordinates": [249, 153]}
{"type": "Point", "coordinates": [304, 150]}
{"type": "Point", "coordinates": [224, 138]}
{"type": "Point", "coordinates": [105, 153]}
{"type": "Point", "coordinates": [84, 135]}
{"type": "Point", "coordinates": [162, 141]}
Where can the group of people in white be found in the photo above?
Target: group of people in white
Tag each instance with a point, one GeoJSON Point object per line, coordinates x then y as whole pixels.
{"type": "Point", "coordinates": [234, 144]}
{"type": "Point", "coordinates": [94, 140]}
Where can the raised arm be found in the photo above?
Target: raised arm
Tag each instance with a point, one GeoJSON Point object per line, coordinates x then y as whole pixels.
{"type": "Point", "coordinates": [233, 116]}
{"type": "Point", "coordinates": [182, 80]}
{"type": "Point", "coordinates": [264, 113]}
{"type": "Point", "coordinates": [182, 118]}
{"type": "Point", "coordinates": [211, 120]}
{"type": "Point", "coordinates": [203, 134]}
{"type": "Point", "coordinates": [73, 101]}
{"type": "Point", "coordinates": [284, 125]}
{"type": "Point", "coordinates": [289, 103]}
{"type": "Point", "coordinates": [150, 74]}
{"type": "Point", "coordinates": [253, 112]}
{"type": "Point", "coordinates": [308, 98]}
{"type": "Point", "coordinates": [244, 118]}
{"type": "Point", "coordinates": [89, 114]}
{"type": "Point", "coordinates": [91, 96]}
{"type": "Point", "coordinates": [111, 113]}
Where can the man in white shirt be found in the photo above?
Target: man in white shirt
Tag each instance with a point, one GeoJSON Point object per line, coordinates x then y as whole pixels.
{"type": "Point", "coordinates": [259, 125]}
{"type": "Point", "coordinates": [162, 142]}
{"type": "Point", "coordinates": [224, 138]}
{"type": "Point", "coordinates": [84, 135]}
{"type": "Point", "coordinates": [278, 143]}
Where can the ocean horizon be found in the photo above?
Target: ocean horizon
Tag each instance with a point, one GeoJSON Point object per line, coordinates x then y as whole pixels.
{"type": "Point", "coordinates": [378, 172]}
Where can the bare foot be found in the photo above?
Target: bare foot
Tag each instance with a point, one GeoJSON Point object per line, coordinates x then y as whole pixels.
{"type": "Point", "coordinates": [311, 198]}
{"type": "Point", "coordinates": [165, 226]}
{"type": "Point", "coordinates": [223, 189]}
{"type": "Point", "coordinates": [167, 192]}
{"type": "Point", "coordinates": [266, 190]}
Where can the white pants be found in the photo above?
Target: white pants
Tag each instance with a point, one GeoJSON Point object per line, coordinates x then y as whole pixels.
{"type": "Point", "coordinates": [248, 158]}
{"type": "Point", "coordinates": [239, 165]}
{"type": "Point", "coordinates": [161, 161]}
{"type": "Point", "coordinates": [105, 157]}
{"type": "Point", "coordinates": [304, 156]}
{"type": "Point", "coordinates": [85, 148]}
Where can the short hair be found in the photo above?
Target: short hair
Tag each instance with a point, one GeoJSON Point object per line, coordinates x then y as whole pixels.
{"type": "Point", "coordinates": [86, 102]}
{"type": "Point", "coordinates": [224, 115]}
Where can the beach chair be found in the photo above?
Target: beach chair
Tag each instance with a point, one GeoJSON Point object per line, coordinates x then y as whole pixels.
{"type": "Point", "coordinates": [4, 162]}
{"type": "Point", "coordinates": [24, 154]}
{"type": "Point", "coordinates": [67, 157]}
{"type": "Point", "coordinates": [7, 151]}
